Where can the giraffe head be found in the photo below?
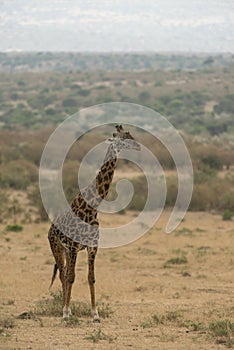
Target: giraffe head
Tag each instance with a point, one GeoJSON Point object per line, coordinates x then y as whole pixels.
{"type": "Point", "coordinates": [123, 140]}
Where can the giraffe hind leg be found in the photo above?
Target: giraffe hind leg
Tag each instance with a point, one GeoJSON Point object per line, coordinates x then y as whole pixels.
{"type": "Point", "coordinates": [69, 280]}
{"type": "Point", "coordinates": [59, 256]}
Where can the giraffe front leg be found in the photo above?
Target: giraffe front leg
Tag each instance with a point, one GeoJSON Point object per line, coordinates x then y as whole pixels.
{"type": "Point", "coordinates": [91, 278]}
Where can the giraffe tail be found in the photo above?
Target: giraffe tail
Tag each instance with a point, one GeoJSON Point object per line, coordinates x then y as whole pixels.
{"type": "Point", "coordinates": [54, 275]}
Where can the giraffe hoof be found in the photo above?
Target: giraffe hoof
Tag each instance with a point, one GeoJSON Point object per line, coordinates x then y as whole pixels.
{"type": "Point", "coordinates": [66, 313]}
{"type": "Point", "coordinates": [96, 320]}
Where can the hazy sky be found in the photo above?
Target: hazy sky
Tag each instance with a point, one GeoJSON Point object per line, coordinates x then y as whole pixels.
{"type": "Point", "coordinates": [117, 25]}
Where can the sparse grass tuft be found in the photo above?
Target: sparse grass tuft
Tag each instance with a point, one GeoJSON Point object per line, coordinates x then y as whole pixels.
{"type": "Point", "coordinates": [193, 326]}
{"type": "Point", "coordinates": [54, 305]}
{"type": "Point", "coordinates": [157, 319]}
{"type": "Point", "coordinates": [146, 251]}
{"type": "Point", "coordinates": [171, 316]}
{"type": "Point", "coordinates": [50, 307]}
{"type": "Point", "coordinates": [179, 251]}
{"type": "Point", "coordinates": [99, 335]}
{"type": "Point", "coordinates": [198, 229]}
{"type": "Point", "coordinates": [146, 324]}
{"type": "Point", "coordinates": [104, 310]}
{"type": "Point", "coordinates": [184, 231]}
{"type": "Point", "coordinates": [223, 331]}
{"type": "Point", "coordinates": [72, 321]}
{"type": "Point", "coordinates": [80, 309]}
{"type": "Point", "coordinates": [179, 260]}
{"type": "Point", "coordinates": [5, 325]}
{"type": "Point", "coordinates": [23, 258]}
{"type": "Point", "coordinates": [202, 251]}
{"type": "Point", "coordinates": [222, 328]}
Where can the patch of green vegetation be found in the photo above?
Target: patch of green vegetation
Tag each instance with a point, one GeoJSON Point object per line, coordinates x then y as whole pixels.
{"type": "Point", "coordinates": [179, 251]}
{"type": "Point", "coordinates": [14, 228]}
{"type": "Point", "coordinates": [146, 324]}
{"type": "Point", "coordinates": [193, 326]}
{"type": "Point", "coordinates": [184, 231]}
{"type": "Point", "coordinates": [6, 324]}
{"type": "Point", "coordinates": [223, 331]}
{"type": "Point", "coordinates": [198, 229]}
{"type": "Point", "coordinates": [222, 328]}
{"type": "Point", "coordinates": [179, 260]}
{"type": "Point", "coordinates": [156, 319]}
{"type": "Point", "coordinates": [98, 335]}
{"type": "Point", "coordinates": [54, 305]}
{"type": "Point", "coordinates": [146, 251]}
{"type": "Point", "coordinates": [50, 307]}
{"type": "Point", "coordinates": [23, 258]}
{"type": "Point", "coordinates": [104, 310]}
{"type": "Point", "coordinates": [202, 251]}
{"type": "Point", "coordinates": [72, 321]}
{"type": "Point", "coordinates": [228, 214]}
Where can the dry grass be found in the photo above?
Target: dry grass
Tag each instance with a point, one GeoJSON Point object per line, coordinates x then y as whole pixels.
{"type": "Point", "coordinates": [142, 304]}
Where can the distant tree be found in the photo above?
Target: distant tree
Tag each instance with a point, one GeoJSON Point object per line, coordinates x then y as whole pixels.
{"type": "Point", "coordinates": [213, 160]}
{"type": "Point", "coordinates": [18, 174]}
{"type": "Point", "coordinates": [144, 96]}
{"type": "Point", "coordinates": [208, 61]}
{"type": "Point", "coordinates": [83, 92]}
{"type": "Point", "coordinates": [225, 105]}
{"type": "Point", "coordinates": [69, 102]}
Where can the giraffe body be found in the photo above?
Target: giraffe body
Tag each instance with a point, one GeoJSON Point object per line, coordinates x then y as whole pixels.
{"type": "Point", "coordinates": [78, 228]}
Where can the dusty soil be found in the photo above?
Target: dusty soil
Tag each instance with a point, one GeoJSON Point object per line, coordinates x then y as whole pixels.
{"type": "Point", "coordinates": [156, 303]}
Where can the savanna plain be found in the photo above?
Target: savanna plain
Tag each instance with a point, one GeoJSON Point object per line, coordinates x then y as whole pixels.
{"type": "Point", "coordinates": [161, 292]}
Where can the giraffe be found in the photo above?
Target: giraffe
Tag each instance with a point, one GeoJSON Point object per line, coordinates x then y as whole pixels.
{"type": "Point", "coordinates": [78, 229]}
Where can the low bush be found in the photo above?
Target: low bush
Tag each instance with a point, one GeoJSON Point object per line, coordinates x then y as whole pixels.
{"type": "Point", "coordinates": [14, 228]}
{"type": "Point", "coordinates": [228, 214]}
{"type": "Point", "coordinates": [18, 174]}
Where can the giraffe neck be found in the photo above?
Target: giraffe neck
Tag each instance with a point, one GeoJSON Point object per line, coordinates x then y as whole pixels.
{"type": "Point", "coordinates": [90, 197]}
{"type": "Point", "coordinates": [106, 172]}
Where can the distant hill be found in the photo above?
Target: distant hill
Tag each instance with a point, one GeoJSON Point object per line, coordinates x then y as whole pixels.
{"type": "Point", "coordinates": [65, 62]}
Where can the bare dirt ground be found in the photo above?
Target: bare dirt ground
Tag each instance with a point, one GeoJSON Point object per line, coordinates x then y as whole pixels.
{"type": "Point", "coordinates": [165, 291]}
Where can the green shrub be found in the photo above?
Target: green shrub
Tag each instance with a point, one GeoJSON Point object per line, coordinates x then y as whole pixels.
{"type": "Point", "coordinates": [213, 161]}
{"type": "Point", "coordinates": [69, 102]}
{"type": "Point", "coordinates": [223, 331]}
{"type": "Point", "coordinates": [18, 174]}
{"type": "Point", "coordinates": [222, 327]}
{"type": "Point", "coordinates": [84, 92]}
{"type": "Point", "coordinates": [179, 260]}
{"type": "Point", "coordinates": [227, 214]}
{"type": "Point", "coordinates": [14, 228]}
{"type": "Point", "coordinates": [202, 198]}
{"type": "Point", "coordinates": [35, 200]}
